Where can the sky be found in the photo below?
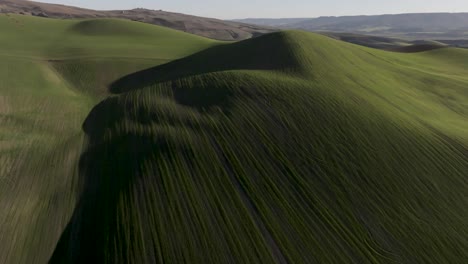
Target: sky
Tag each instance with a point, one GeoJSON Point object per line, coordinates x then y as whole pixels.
{"type": "Point", "coordinates": [231, 9]}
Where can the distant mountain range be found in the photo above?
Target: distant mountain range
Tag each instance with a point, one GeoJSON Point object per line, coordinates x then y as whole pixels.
{"type": "Point", "coordinates": [206, 27]}
{"type": "Point", "coordinates": [415, 26]}
{"type": "Point", "coordinates": [448, 28]}
{"type": "Point", "coordinates": [272, 22]}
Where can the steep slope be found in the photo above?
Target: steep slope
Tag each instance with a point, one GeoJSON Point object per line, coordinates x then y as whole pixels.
{"type": "Point", "coordinates": [52, 72]}
{"type": "Point", "coordinates": [309, 150]}
{"type": "Point", "coordinates": [206, 27]}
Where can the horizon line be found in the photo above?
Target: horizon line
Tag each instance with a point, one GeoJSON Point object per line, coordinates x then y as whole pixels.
{"type": "Point", "coordinates": [292, 17]}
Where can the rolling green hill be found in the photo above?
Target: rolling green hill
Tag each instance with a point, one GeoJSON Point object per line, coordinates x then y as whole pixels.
{"type": "Point", "coordinates": [287, 148]}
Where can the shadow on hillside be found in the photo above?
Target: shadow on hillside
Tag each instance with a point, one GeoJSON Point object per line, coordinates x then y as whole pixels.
{"type": "Point", "coordinates": [268, 52]}
{"type": "Point", "coordinates": [112, 167]}
{"type": "Point", "coordinates": [108, 171]}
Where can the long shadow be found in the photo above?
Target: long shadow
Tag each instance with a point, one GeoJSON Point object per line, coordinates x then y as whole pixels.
{"type": "Point", "coordinates": [110, 168]}
{"type": "Point", "coordinates": [268, 52]}
{"type": "Point", "coordinates": [108, 171]}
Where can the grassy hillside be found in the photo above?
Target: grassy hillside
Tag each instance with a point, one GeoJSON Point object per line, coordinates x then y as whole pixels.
{"type": "Point", "coordinates": [287, 148]}
{"type": "Point", "coordinates": [52, 73]}
{"type": "Point", "coordinates": [291, 147]}
{"type": "Point", "coordinates": [59, 39]}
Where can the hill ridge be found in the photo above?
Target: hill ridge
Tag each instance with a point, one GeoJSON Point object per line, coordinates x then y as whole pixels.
{"type": "Point", "coordinates": [206, 27]}
{"type": "Point", "coordinates": [273, 51]}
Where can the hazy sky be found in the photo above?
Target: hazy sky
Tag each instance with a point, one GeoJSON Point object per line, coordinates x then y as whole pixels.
{"type": "Point", "coordinates": [277, 8]}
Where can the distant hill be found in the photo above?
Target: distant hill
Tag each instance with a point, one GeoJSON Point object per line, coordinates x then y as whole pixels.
{"type": "Point", "coordinates": [393, 44]}
{"type": "Point", "coordinates": [207, 27]}
{"type": "Point", "coordinates": [272, 22]}
{"type": "Point", "coordinates": [416, 26]}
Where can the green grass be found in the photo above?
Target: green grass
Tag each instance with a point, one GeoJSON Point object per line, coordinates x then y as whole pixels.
{"type": "Point", "coordinates": [51, 75]}
{"type": "Point", "coordinates": [291, 147]}
{"type": "Point", "coordinates": [59, 39]}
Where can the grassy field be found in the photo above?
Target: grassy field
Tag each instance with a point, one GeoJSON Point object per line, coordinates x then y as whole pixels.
{"type": "Point", "coordinates": [287, 148]}
{"type": "Point", "coordinates": [52, 73]}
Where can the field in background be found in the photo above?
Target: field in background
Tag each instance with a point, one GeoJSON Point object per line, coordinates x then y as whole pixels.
{"type": "Point", "coordinates": [290, 147]}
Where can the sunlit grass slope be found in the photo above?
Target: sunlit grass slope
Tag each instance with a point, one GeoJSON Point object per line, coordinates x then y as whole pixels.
{"type": "Point", "coordinates": [58, 39]}
{"type": "Point", "coordinates": [52, 73]}
{"type": "Point", "coordinates": [287, 148]}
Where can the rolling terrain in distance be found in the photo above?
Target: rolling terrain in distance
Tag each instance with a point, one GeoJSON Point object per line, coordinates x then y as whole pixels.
{"type": "Point", "coordinates": [417, 26]}
{"type": "Point", "coordinates": [207, 27]}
